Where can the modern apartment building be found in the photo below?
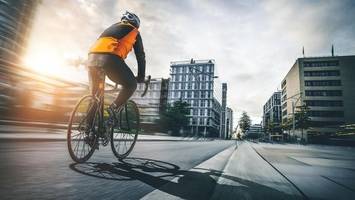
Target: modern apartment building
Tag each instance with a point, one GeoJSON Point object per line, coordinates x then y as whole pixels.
{"type": "Point", "coordinates": [327, 86]}
{"type": "Point", "coordinates": [153, 103]}
{"type": "Point", "coordinates": [195, 82]}
{"type": "Point", "coordinates": [272, 110]}
{"type": "Point", "coordinates": [16, 18]}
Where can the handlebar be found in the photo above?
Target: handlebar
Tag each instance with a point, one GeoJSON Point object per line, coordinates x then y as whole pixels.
{"type": "Point", "coordinates": [146, 84]}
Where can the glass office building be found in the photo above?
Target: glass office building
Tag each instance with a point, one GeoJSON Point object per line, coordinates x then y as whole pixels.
{"type": "Point", "coordinates": [16, 19]}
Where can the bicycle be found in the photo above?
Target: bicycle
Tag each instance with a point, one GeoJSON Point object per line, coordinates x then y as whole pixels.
{"type": "Point", "coordinates": [84, 134]}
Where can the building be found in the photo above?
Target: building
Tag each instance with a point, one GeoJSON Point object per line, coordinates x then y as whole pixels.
{"type": "Point", "coordinates": [223, 131]}
{"type": "Point", "coordinates": [229, 123]}
{"type": "Point", "coordinates": [255, 131]}
{"type": "Point", "coordinates": [195, 82]}
{"type": "Point", "coordinates": [152, 104]}
{"type": "Point", "coordinates": [35, 97]}
{"type": "Point", "coordinates": [16, 17]}
{"type": "Point", "coordinates": [272, 113]}
{"type": "Point", "coordinates": [326, 85]}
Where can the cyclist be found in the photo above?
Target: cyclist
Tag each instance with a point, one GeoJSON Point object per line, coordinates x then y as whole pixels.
{"type": "Point", "coordinates": [109, 52]}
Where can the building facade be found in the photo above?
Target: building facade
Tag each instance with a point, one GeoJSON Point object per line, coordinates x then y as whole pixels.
{"type": "Point", "coordinates": [229, 123]}
{"type": "Point", "coordinates": [272, 111]}
{"type": "Point", "coordinates": [326, 86]}
{"type": "Point", "coordinates": [16, 19]}
{"type": "Point", "coordinates": [152, 104]}
{"type": "Point", "coordinates": [195, 82]}
{"type": "Point", "coordinates": [255, 131]}
{"type": "Point", "coordinates": [223, 131]}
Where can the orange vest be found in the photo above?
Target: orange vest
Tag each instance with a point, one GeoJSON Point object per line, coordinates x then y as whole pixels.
{"type": "Point", "coordinates": [120, 47]}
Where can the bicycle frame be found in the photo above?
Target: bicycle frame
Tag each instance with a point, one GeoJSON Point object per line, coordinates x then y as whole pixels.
{"type": "Point", "coordinates": [99, 98]}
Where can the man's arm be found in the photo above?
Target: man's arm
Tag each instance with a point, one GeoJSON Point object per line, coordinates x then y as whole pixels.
{"type": "Point", "coordinates": [140, 55]}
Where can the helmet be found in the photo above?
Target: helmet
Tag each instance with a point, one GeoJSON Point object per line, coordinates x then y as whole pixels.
{"type": "Point", "coordinates": [131, 18]}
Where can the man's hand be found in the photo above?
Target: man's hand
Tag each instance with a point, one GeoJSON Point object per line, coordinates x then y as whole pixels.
{"type": "Point", "coordinates": [140, 79]}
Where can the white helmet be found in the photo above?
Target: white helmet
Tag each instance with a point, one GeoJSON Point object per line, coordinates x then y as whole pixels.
{"type": "Point", "coordinates": [131, 18]}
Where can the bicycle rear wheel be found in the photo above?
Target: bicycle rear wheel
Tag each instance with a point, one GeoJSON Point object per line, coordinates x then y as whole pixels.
{"type": "Point", "coordinates": [124, 134]}
{"type": "Point", "coordinates": [81, 137]}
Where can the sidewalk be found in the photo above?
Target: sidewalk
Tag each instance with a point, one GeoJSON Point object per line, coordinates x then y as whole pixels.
{"type": "Point", "coordinates": [32, 124]}
{"type": "Point", "coordinates": [31, 133]}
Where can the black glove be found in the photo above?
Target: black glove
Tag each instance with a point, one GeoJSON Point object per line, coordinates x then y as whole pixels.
{"type": "Point", "coordinates": [140, 79]}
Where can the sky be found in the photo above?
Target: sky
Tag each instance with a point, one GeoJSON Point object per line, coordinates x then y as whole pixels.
{"type": "Point", "coordinates": [253, 42]}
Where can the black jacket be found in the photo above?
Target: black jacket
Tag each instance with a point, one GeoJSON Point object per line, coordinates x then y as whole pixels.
{"type": "Point", "coordinates": [118, 31]}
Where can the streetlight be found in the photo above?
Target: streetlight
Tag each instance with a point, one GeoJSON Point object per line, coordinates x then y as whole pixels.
{"type": "Point", "coordinates": [197, 78]}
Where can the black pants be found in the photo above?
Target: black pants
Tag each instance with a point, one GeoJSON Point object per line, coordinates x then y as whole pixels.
{"type": "Point", "coordinates": [116, 70]}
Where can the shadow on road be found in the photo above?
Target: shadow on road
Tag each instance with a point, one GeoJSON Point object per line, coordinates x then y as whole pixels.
{"type": "Point", "coordinates": [199, 184]}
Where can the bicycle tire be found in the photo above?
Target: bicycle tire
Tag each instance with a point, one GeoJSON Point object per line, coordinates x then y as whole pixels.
{"type": "Point", "coordinates": [120, 129]}
{"type": "Point", "coordinates": [73, 151]}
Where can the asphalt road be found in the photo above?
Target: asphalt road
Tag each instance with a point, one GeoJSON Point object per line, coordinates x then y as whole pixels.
{"type": "Point", "coordinates": [179, 170]}
{"type": "Point", "coordinates": [44, 170]}
{"type": "Point", "coordinates": [319, 172]}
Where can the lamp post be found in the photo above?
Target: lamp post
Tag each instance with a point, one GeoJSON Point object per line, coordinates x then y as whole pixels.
{"type": "Point", "coordinates": [197, 78]}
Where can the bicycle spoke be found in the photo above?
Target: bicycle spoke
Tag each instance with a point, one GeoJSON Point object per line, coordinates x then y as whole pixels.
{"type": "Point", "coordinates": [79, 135]}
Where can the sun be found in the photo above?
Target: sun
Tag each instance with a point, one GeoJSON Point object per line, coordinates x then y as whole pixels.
{"type": "Point", "coordinates": [51, 63]}
{"type": "Point", "coordinates": [44, 62]}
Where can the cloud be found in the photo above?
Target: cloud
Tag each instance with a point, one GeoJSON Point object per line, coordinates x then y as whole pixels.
{"type": "Point", "coordinates": [254, 42]}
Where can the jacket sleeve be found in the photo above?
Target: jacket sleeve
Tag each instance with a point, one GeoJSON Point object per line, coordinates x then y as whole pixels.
{"type": "Point", "coordinates": [140, 55]}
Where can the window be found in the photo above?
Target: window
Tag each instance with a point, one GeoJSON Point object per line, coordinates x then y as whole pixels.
{"type": "Point", "coordinates": [323, 93]}
{"type": "Point", "coordinates": [321, 63]}
{"type": "Point", "coordinates": [323, 83]}
{"type": "Point", "coordinates": [195, 111]}
{"type": "Point", "coordinates": [284, 105]}
{"type": "Point", "coordinates": [189, 94]}
{"type": "Point", "coordinates": [322, 73]}
{"type": "Point", "coordinates": [196, 103]}
{"type": "Point", "coordinates": [283, 84]}
{"type": "Point", "coordinates": [284, 113]}
{"type": "Point", "coordinates": [323, 103]}
{"type": "Point", "coordinates": [326, 113]}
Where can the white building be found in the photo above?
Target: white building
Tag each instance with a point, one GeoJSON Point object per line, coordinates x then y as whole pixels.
{"type": "Point", "coordinates": [195, 82]}
{"type": "Point", "coordinates": [152, 104]}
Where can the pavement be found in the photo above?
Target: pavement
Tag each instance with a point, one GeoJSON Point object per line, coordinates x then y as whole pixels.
{"type": "Point", "coordinates": [34, 133]}
{"type": "Point", "coordinates": [177, 169]}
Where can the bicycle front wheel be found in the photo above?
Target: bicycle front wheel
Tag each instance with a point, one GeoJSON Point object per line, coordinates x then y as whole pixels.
{"type": "Point", "coordinates": [124, 134]}
{"type": "Point", "coordinates": [81, 137]}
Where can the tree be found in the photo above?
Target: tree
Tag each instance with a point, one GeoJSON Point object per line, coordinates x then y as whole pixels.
{"type": "Point", "coordinates": [273, 127]}
{"type": "Point", "coordinates": [175, 116]}
{"type": "Point", "coordinates": [244, 122]}
{"type": "Point", "coordinates": [286, 125]}
{"type": "Point", "coordinates": [302, 118]}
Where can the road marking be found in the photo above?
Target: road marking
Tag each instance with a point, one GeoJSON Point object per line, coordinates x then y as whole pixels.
{"type": "Point", "coordinates": [196, 183]}
{"type": "Point", "coordinates": [294, 185]}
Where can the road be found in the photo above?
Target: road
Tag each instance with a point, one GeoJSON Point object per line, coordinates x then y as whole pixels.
{"type": "Point", "coordinates": [178, 170]}
{"type": "Point", "coordinates": [43, 170]}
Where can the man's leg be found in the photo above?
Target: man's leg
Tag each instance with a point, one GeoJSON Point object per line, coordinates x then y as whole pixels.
{"type": "Point", "coordinates": [118, 71]}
